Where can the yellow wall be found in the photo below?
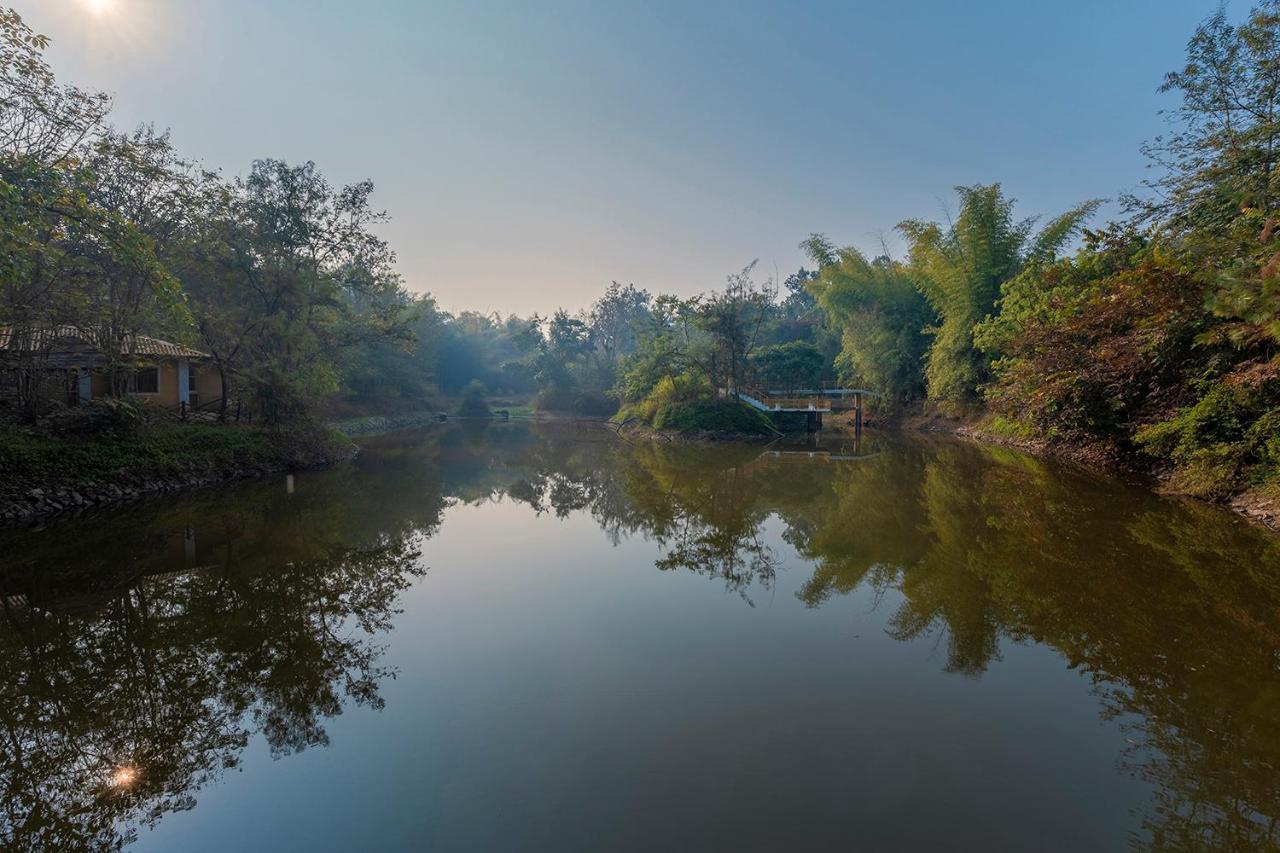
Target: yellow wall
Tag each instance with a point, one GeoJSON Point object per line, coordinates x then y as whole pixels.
{"type": "Point", "coordinates": [208, 385]}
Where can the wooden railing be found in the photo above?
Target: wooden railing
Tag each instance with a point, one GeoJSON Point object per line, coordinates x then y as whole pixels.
{"type": "Point", "coordinates": [235, 412]}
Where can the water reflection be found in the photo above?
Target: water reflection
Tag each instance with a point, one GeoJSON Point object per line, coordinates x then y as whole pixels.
{"type": "Point", "coordinates": [140, 652]}
{"type": "Point", "coordinates": [154, 643]}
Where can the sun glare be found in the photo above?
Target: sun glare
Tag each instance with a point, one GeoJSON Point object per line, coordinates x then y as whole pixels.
{"type": "Point", "coordinates": [125, 776]}
{"type": "Point", "coordinates": [99, 7]}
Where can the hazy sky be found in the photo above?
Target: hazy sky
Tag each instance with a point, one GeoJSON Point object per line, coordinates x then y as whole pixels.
{"type": "Point", "coordinates": [530, 152]}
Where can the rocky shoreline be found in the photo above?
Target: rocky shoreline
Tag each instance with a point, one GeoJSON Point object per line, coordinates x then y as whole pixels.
{"type": "Point", "coordinates": [692, 436]}
{"type": "Point", "coordinates": [27, 502]}
{"type": "Point", "coordinates": [376, 424]}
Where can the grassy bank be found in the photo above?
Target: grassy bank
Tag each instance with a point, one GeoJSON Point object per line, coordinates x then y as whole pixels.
{"type": "Point", "coordinates": [46, 473]}
{"type": "Point", "coordinates": [1250, 490]}
{"type": "Point", "coordinates": [710, 419]}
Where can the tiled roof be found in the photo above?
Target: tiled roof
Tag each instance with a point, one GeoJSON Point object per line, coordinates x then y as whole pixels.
{"type": "Point", "coordinates": [52, 338]}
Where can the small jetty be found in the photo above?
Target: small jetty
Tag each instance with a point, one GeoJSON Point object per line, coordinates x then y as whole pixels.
{"type": "Point", "coordinates": [813, 401]}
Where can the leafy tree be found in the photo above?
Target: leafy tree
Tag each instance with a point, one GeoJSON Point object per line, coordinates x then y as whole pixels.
{"type": "Point", "coordinates": [40, 121]}
{"type": "Point", "coordinates": [798, 364]}
{"type": "Point", "coordinates": [290, 257]}
{"type": "Point", "coordinates": [1217, 165]}
{"type": "Point", "coordinates": [474, 404]}
{"type": "Point", "coordinates": [882, 317]}
{"type": "Point", "coordinates": [76, 250]}
{"type": "Point", "coordinates": [1094, 347]}
{"type": "Point", "coordinates": [960, 269]}
{"type": "Point", "coordinates": [496, 351]}
{"type": "Point", "coordinates": [613, 325]}
{"type": "Point", "coordinates": [732, 320]}
{"type": "Point", "coordinates": [798, 301]}
{"type": "Point", "coordinates": [401, 364]}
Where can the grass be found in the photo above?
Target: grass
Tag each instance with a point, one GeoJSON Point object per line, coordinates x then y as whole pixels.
{"type": "Point", "coordinates": [1003, 427]}
{"type": "Point", "coordinates": [31, 459]}
{"type": "Point", "coordinates": [712, 416]}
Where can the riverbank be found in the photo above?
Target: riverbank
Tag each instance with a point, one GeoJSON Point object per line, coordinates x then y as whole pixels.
{"type": "Point", "coordinates": [695, 421]}
{"type": "Point", "coordinates": [378, 424]}
{"type": "Point", "coordinates": [640, 430]}
{"type": "Point", "coordinates": [48, 475]}
{"type": "Point", "coordinates": [1259, 505]}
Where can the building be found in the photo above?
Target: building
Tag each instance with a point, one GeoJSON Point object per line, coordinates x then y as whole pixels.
{"type": "Point", "coordinates": [66, 363]}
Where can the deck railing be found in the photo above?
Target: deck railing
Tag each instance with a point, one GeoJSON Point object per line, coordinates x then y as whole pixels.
{"type": "Point", "coordinates": [783, 403]}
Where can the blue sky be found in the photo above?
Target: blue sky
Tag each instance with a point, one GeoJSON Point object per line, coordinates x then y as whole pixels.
{"type": "Point", "coordinates": [530, 152]}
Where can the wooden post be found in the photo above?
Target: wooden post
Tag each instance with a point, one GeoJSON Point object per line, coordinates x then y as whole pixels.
{"type": "Point", "coordinates": [857, 415]}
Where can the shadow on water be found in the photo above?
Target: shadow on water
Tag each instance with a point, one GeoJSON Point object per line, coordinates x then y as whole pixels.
{"type": "Point", "coordinates": [141, 650]}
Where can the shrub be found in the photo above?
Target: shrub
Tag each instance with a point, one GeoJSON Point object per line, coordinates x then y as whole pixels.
{"type": "Point", "coordinates": [573, 401]}
{"type": "Point", "coordinates": [1089, 352]}
{"type": "Point", "coordinates": [1230, 437]}
{"type": "Point", "coordinates": [712, 416]}
{"type": "Point", "coordinates": [105, 416]}
{"type": "Point", "coordinates": [474, 404]}
{"type": "Point", "coordinates": [681, 388]}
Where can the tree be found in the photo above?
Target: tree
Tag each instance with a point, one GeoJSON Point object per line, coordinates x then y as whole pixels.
{"type": "Point", "coordinates": [797, 364]}
{"type": "Point", "coordinates": [40, 121]}
{"type": "Point", "coordinates": [881, 314]}
{"type": "Point", "coordinates": [613, 322]}
{"type": "Point", "coordinates": [959, 269]}
{"type": "Point", "coordinates": [799, 301]}
{"type": "Point", "coordinates": [732, 319]}
{"type": "Point", "coordinates": [289, 257]}
{"type": "Point", "coordinates": [1218, 165]}
{"type": "Point", "coordinates": [152, 203]}
{"type": "Point", "coordinates": [75, 249]}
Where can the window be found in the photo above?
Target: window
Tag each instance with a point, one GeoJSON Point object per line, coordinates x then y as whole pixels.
{"type": "Point", "coordinates": [191, 378]}
{"type": "Point", "coordinates": [145, 380]}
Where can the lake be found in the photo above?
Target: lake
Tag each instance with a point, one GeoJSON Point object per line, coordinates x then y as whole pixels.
{"type": "Point", "coordinates": [544, 637]}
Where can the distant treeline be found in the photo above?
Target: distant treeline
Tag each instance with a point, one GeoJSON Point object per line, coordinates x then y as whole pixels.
{"type": "Point", "coordinates": [1154, 338]}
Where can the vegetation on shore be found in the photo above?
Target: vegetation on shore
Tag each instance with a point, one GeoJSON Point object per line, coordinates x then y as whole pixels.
{"type": "Point", "coordinates": [49, 469]}
{"type": "Point", "coordinates": [1153, 341]}
{"type": "Point", "coordinates": [1155, 344]}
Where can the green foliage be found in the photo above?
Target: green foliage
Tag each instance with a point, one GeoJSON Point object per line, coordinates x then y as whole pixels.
{"type": "Point", "coordinates": [156, 450]}
{"type": "Point", "coordinates": [400, 365]}
{"type": "Point", "coordinates": [474, 401]}
{"type": "Point", "coordinates": [102, 417]}
{"type": "Point", "coordinates": [711, 416]}
{"type": "Point", "coordinates": [797, 364]}
{"type": "Point", "coordinates": [1094, 346]}
{"type": "Point", "coordinates": [1216, 166]}
{"type": "Point", "coordinates": [1164, 339]}
{"type": "Point", "coordinates": [1229, 437]}
{"type": "Point", "coordinates": [667, 391]}
{"type": "Point", "coordinates": [490, 349]}
{"type": "Point", "coordinates": [960, 270]}
{"type": "Point", "coordinates": [882, 317]}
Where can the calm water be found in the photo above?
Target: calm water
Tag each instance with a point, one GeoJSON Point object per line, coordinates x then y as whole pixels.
{"type": "Point", "coordinates": [517, 638]}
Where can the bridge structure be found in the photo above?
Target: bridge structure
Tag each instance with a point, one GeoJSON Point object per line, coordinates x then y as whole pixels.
{"type": "Point", "coordinates": [813, 401]}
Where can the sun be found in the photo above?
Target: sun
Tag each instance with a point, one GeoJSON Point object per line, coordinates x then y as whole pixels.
{"type": "Point", "coordinates": [99, 8]}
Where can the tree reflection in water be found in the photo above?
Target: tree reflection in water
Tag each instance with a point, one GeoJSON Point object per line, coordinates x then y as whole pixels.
{"type": "Point", "coordinates": [139, 656]}
{"type": "Point", "coordinates": [128, 646]}
{"type": "Point", "coordinates": [1171, 609]}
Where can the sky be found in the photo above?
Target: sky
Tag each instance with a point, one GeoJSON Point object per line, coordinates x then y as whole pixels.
{"type": "Point", "coordinates": [531, 152]}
